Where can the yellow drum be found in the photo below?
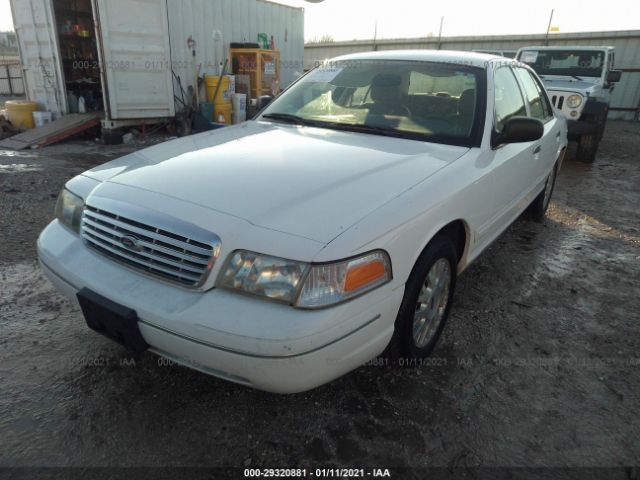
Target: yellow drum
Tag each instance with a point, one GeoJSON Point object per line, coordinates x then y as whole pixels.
{"type": "Point", "coordinates": [222, 113]}
{"type": "Point", "coordinates": [223, 95]}
{"type": "Point", "coordinates": [20, 113]}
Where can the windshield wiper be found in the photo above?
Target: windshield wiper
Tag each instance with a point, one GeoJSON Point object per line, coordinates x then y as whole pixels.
{"type": "Point", "coordinates": [349, 127]}
{"type": "Point", "coordinates": [289, 118]}
{"type": "Point", "coordinates": [576, 77]}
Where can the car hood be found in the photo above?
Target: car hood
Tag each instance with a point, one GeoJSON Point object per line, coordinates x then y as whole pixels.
{"type": "Point", "coordinates": [567, 84]}
{"type": "Point", "coordinates": [309, 182]}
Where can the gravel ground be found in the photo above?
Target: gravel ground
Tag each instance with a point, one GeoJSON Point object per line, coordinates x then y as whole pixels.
{"type": "Point", "coordinates": [539, 365]}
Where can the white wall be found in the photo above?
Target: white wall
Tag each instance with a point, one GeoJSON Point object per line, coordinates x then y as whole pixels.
{"type": "Point", "coordinates": [236, 21]}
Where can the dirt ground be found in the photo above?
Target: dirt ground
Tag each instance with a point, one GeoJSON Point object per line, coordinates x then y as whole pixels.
{"type": "Point", "coordinates": [539, 365]}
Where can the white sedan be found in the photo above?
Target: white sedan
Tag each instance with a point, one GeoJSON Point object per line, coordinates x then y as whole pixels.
{"type": "Point", "coordinates": [286, 251]}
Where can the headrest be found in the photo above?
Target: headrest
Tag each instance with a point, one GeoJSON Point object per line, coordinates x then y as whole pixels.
{"type": "Point", "coordinates": [386, 87]}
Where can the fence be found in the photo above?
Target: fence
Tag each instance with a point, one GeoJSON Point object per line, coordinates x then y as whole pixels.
{"type": "Point", "coordinates": [11, 79]}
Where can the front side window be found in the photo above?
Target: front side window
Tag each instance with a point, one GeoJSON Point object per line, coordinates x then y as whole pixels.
{"type": "Point", "coordinates": [535, 96]}
{"type": "Point", "coordinates": [508, 97]}
{"type": "Point", "coordinates": [428, 101]}
{"type": "Point", "coordinates": [573, 63]}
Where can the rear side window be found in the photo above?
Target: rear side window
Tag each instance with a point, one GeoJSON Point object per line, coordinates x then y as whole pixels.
{"type": "Point", "coordinates": [508, 97]}
{"type": "Point", "coordinates": [538, 102]}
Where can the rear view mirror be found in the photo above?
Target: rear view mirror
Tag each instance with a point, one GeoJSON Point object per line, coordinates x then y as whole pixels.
{"type": "Point", "coordinates": [519, 130]}
{"type": "Point", "coordinates": [614, 76]}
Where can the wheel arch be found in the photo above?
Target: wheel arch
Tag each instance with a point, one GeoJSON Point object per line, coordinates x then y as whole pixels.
{"type": "Point", "coordinates": [458, 231]}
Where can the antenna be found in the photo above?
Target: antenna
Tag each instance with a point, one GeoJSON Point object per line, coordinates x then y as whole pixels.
{"type": "Point", "coordinates": [375, 37]}
{"type": "Point", "coordinates": [546, 38]}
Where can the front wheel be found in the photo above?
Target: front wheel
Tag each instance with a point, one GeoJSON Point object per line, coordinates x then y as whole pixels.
{"type": "Point", "coordinates": [427, 301]}
{"type": "Point", "coordinates": [587, 148]}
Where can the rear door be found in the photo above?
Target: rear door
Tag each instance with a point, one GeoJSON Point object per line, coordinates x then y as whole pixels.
{"type": "Point", "coordinates": [38, 43]}
{"type": "Point", "coordinates": [135, 57]}
{"type": "Point", "coordinates": [511, 162]}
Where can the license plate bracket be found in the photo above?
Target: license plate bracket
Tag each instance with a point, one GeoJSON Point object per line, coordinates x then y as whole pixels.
{"type": "Point", "coordinates": [114, 321]}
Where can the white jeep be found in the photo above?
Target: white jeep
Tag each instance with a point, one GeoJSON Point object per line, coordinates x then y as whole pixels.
{"type": "Point", "coordinates": [579, 81]}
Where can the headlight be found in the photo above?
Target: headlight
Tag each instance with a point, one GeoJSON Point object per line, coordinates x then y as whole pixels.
{"type": "Point", "coordinates": [262, 275]}
{"type": "Point", "coordinates": [69, 209]}
{"type": "Point", "coordinates": [574, 101]}
{"type": "Point", "coordinates": [336, 282]}
{"type": "Point", "coordinates": [301, 284]}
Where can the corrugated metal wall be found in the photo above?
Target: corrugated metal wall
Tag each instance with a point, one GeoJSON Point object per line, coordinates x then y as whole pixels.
{"type": "Point", "coordinates": [214, 24]}
{"type": "Point", "coordinates": [627, 43]}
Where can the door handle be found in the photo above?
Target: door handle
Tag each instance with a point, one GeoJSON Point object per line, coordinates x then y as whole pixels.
{"type": "Point", "coordinates": [558, 135]}
{"type": "Point", "coordinates": [537, 150]}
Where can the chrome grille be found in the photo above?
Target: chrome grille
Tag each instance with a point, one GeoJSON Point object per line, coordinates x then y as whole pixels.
{"type": "Point", "coordinates": [182, 254]}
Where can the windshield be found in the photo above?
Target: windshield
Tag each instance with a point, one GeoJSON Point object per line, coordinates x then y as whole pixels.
{"type": "Point", "coordinates": [573, 63]}
{"type": "Point", "coordinates": [428, 101]}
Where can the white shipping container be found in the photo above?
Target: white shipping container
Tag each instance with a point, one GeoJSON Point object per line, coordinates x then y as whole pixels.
{"type": "Point", "coordinates": [143, 48]}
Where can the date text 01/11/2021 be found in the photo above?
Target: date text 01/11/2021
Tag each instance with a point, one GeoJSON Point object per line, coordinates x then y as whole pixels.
{"type": "Point", "coordinates": [317, 473]}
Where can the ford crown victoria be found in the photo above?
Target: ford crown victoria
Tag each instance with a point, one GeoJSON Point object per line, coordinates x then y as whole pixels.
{"type": "Point", "coordinates": [286, 251]}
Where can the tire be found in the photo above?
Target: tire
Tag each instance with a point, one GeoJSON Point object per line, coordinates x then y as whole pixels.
{"type": "Point", "coordinates": [439, 254]}
{"type": "Point", "coordinates": [587, 148]}
{"type": "Point", "coordinates": [605, 115]}
{"type": "Point", "coordinates": [538, 208]}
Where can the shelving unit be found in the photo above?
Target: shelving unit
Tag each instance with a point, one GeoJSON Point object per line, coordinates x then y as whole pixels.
{"type": "Point", "coordinates": [262, 66]}
{"type": "Point", "coordinates": [79, 51]}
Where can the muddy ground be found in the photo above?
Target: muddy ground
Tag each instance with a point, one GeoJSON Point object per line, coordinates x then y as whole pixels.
{"type": "Point", "coordinates": [539, 364]}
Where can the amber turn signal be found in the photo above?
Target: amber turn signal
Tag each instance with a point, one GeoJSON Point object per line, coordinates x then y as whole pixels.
{"type": "Point", "coordinates": [361, 275]}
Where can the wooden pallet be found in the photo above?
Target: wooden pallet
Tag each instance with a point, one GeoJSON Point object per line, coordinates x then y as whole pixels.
{"type": "Point", "coordinates": [53, 132]}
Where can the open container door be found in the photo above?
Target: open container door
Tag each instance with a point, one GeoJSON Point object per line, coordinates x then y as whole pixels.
{"type": "Point", "coordinates": [39, 54]}
{"type": "Point", "coordinates": [135, 58]}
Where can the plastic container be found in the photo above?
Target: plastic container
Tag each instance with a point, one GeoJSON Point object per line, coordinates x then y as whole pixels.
{"type": "Point", "coordinates": [222, 113]}
{"type": "Point", "coordinates": [223, 95]}
{"type": "Point", "coordinates": [20, 113]}
{"type": "Point", "coordinates": [239, 117]}
{"type": "Point", "coordinates": [232, 84]}
{"type": "Point", "coordinates": [239, 102]}
{"type": "Point", "coordinates": [206, 109]}
{"type": "Point", "coordinates": [263, 40]}
{"type": "Point", "coordinates": [72, 100]}
{"type": "Point", "coordinates": [42, 118]}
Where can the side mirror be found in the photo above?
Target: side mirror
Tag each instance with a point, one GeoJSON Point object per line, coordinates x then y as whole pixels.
{"type": "Point", "coordinates": [614, 76]}
{"type": "Point", "coordinates": [263, 101]}
{"type": "Point", "coordinates": [519, 130]}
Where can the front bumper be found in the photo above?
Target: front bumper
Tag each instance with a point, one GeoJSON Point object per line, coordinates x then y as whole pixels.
{"type": "Point", "coordinates": [246, 340]}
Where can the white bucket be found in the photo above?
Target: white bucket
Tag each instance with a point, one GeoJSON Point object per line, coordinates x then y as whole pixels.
{"type": "Point", "coordinates": [232, 83]}
{"type": "Point", "coordinates": [239, 101]}
{"type": "Point", "coordinates": [239, 117]}
{"type": "Point", "coordinates": [41, 118]}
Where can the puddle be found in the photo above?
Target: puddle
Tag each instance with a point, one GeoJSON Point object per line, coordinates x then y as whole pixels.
{"type": "Point", "coordinates": [19, 168]}
{"type": "Point", "coordinates": [14, 153]}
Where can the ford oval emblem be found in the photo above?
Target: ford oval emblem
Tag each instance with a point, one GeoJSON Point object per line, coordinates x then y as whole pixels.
{"type": "Point", "coordinates": [130, 243]}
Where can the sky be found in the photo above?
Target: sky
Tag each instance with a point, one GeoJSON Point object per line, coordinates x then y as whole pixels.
{"type": "Point", "coordinates": [356, 19]}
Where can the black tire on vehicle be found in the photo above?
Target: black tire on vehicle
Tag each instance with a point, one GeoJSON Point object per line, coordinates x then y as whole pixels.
{"type": "Point", "coordinates": [439, 254]}
{"type": "Point", "coordinates": [603, 124]}
{"type": "Point", "coordinates": [538, 208]}
{"type": "Point", "coordinates": [587, 148]}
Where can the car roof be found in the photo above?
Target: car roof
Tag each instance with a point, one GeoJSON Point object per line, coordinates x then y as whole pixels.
{"type": "Point", "coordinates": [474, 59]}
{"type": "Point", "coordinates": [569, 47]}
